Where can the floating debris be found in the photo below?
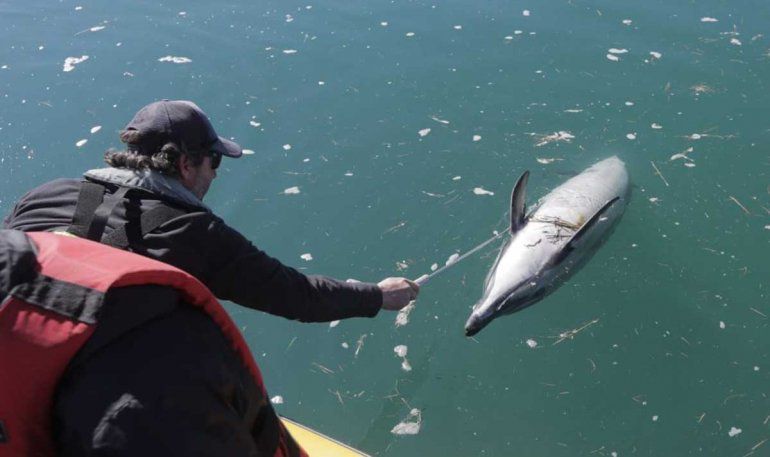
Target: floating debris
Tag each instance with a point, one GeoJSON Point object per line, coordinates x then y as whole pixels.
{"type": "Point", "coordinates": [734, 432]}
{"type": "Point", "coordinates": [97, 28]}
{"type": "Point", "coordinates": [656, 126]}
{"type": "Point", "coordinates": [482, 191]}
{"type": "Point", "coordinates": [554, 138]}
{"type": "Point", "coordinates": [291, 190]}
{"type": "Point", "coordinates": [695, 136]}
{"type": "Point", "coordinates": [735, 41]}
{"type": "Point", "coordinates": [175, 59]}
{"type": "Point", "coordinates": [613, 57]}
{"type": "Point", "coordinates": [410, 425]}
{"type": "Point", "coordinates": [532, 343]}
{"type": "Point", "coordinates": [401, 350]}
{"type": "Point", "coordinates": [277, 400]}
{"type": "Point", "coordinates": [424, 132]}
{"type": "Point", "coordinates": [289, 51]}
{"type": "Point", "coordinates": [307, 257]}
{"type": "Point", "coordinates": [722, 325]}
{"type": "Point", "coordinates": [709, 19]}
{"type": "Point", "coordinates": [457, 178]}
{"type": "Point", "coordinates": [631, 136]}
{"type": "Point", "coordinates": [70, 62]}
{"type": "Point", "coordinates": [655, 418]}
{"type": "Point", "coordinates": [345, 345]}
{"type": "Point", "coordinates": [629, 103]}
{"type": "Point", "coordinates": [546, 161]}
{"type": "Point", "coordinates": [440, 121]}
{"type": "Point", "coordinates": [254, 124]}
{"type": "Point", "coordinates": [95, 129]}
{"type": "Point", "coordinates": [286, 147]}
{"type": "Point", "coordinates": [402, 318]}
{"type": "Point", "coordinates": [617, 51]}
{"type": "Point", "coordinates": [434, 267]}
{"type": "Point", "coordinates": [80, 143]}
{"type": "Point", "coordinates": [452, 259]}
{"type": "Point", "coordinates": [656, 55]}
{"type": "Point", "coordinates": [573, 110]}
{"type": "Point", "coordinates": [525, 13]}
{"type": "Point", "coordinates": [458, 27]}
{"type": "Point", "coordinates": [360, 344]}
{"type": "Point", "coordinates": [476, 138]}
{"type": "Point", "coordinates": [627, 21]}
{"type": "Point", "coordinates": [384, 23]}
{"type": "Point", "coordinates": [682, 155]}
{"type": "Point", "coordinates": [409, 34]}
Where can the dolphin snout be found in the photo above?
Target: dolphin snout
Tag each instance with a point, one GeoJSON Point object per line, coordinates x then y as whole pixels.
{"type": "Point", "coordinates": [474, 325]}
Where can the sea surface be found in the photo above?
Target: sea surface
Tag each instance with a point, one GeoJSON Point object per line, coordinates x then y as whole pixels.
{"type": "Point", "coordinates": [385, 136]}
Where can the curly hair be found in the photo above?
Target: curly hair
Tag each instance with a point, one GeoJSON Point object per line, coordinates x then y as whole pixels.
{"type": "Point", "coordinates": [142, 154]}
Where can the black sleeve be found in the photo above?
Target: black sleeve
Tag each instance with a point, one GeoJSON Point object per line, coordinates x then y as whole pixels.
{"type": "Point", "coordinates": [170, 387]}
{"type": "Point", "coordinates": [241, 273]}
{"type": "Point", "coordinates": [46, 207]}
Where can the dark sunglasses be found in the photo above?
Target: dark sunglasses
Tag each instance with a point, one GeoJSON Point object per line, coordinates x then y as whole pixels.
{"type": "Point", "coordinates": [216, 160]}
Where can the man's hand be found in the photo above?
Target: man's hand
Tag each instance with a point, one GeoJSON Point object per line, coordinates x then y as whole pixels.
{"type": "Point", "coordinates": [397, 292]}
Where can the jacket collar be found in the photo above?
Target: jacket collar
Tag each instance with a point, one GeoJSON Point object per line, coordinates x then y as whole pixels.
{"type": "Point", "coordinates": [150, 180]}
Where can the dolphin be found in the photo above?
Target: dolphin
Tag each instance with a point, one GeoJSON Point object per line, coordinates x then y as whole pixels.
{"type": "Point", "coordinates": [548, 245]}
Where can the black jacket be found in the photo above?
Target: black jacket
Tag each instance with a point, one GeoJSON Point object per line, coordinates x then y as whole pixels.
{"type": "Point", "coordinates": [200, 243]}
{"type": "Point", "coordinates": [157, 377]}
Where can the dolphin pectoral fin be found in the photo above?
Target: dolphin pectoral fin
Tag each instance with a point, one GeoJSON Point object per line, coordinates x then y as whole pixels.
{"type": "Point", "coordinates": [570, 245]}
{"type": "Point", "coordinates": [519, 202]}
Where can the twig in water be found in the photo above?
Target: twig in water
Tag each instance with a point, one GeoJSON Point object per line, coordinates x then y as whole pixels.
{"type": "Point", "coordinates": [571, 333]}
{"type": "Point", "coordinates": [659, 173]}
{"type": "Point", "coordinates": [739, 204]}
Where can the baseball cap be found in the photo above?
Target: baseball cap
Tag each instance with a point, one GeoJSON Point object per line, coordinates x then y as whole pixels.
{"type": "Point", "coordinates": [178, 121]}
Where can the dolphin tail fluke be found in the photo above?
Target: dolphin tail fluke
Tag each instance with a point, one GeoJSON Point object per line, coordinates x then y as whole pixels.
{"type": "Point", "coordinates": [519, 202]}
{"type": "Point", "coordinates": [570, 246]}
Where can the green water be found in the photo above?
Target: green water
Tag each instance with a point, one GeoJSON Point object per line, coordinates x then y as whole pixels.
{"type": "Point", "coordinates": [673, 351]}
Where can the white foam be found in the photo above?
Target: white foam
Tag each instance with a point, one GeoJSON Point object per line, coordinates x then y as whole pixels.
{"type": "Point", "coordinates": [482, 191]}
{"type": "Point", "coordinates": [410, 425]}
{"type": "Point", "coordinates": [175, 59]}
{"type": "Point", "coordinates": [735, 41]}
{"type": "Point", "coordinates": [70, 62]}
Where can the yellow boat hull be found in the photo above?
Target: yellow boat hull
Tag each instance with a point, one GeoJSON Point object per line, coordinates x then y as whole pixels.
{"type": "Point", "coordinates": [317, 444]}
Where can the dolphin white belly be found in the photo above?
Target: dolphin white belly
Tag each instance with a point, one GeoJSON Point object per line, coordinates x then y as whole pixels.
{"type": "Point", "coordinates": [547, 245]}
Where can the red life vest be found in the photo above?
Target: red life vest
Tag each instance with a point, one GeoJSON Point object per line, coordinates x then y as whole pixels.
{"type": "Point", "coordinates": [37, 340]}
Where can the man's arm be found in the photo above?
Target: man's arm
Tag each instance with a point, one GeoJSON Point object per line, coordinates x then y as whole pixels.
{"type": "Point", "coordinates": [245, 275]}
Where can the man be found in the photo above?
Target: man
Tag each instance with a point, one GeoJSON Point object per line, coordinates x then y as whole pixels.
{"type": "Point", "coordinates": [149, 201]}
{"type": "Point", "coordinates": [108, 353]}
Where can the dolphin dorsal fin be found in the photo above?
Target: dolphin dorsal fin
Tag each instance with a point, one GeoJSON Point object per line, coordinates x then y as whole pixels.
{"type": "Point", "coordinates": [575, 238]}
{"type": "Point", "coordinates": [519, 202]}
